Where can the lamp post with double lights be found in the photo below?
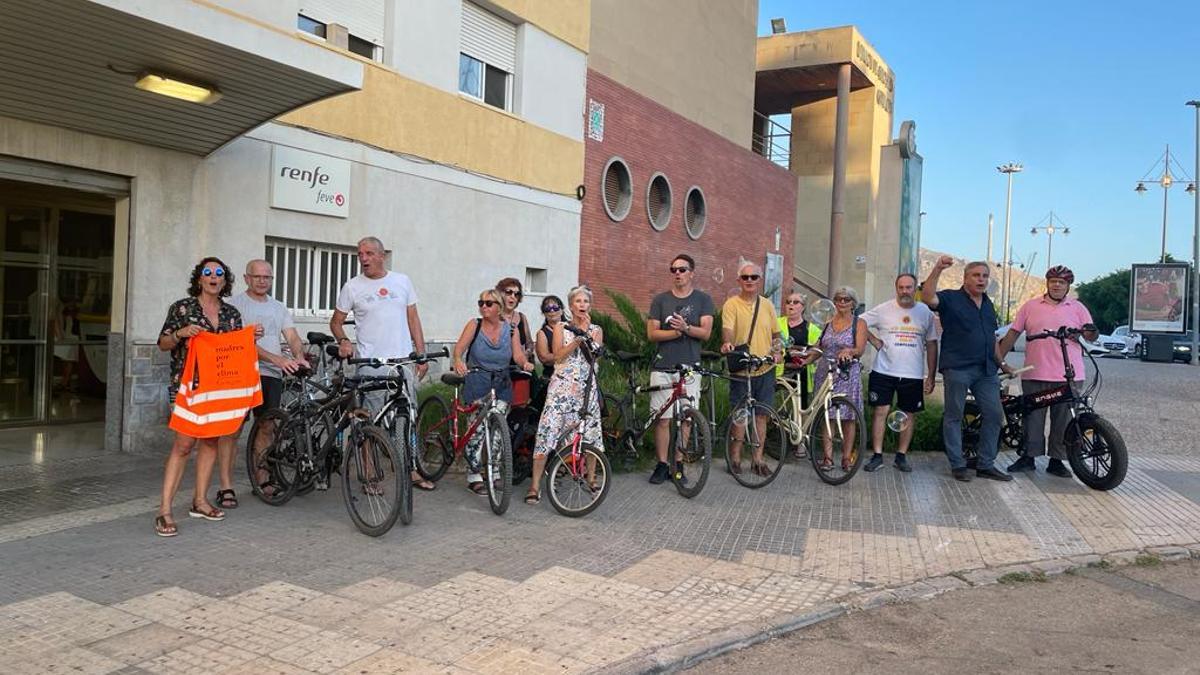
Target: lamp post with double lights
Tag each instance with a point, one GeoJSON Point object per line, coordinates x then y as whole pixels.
{"type": "Point", "coordinates": [1050, 229]}
{"type": "Point", "coordinates": [1165, 181]}
{"type": "Point", "coordinates": [1007, 169]}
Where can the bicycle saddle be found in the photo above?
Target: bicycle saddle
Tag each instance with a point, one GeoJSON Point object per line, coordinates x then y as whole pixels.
{"type": "Point", "coordinates": [318, 338]}
{"type": "Point", "coordinates": [453, 379]}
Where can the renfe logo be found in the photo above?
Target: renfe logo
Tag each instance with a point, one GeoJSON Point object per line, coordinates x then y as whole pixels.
{"type": "Point", "coordinates": [311, 182]}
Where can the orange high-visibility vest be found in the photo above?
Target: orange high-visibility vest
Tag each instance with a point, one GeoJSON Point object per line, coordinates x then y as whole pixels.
{"type": "Point", "coordinates": [220, 384]}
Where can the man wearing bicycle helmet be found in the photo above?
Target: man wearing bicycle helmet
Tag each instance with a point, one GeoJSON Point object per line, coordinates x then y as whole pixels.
{"type": "Point", "coordinates": [1050, 312]}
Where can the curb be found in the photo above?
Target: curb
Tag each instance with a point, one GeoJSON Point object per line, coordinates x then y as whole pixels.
{"type": "Point", "coordinates": [673, 658]}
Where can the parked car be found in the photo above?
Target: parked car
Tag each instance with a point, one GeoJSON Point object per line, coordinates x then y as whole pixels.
{"type": "Point", "coordinates": [1113, 345]}
{"type": "Point", "coordinates": [1094, 348]}
{"type": "Point", "coordinates": [1133, 341]}
{"type": "Point", "coordinates": [1183, 348]}
{"type": "Point", "coordinates": [1019, 346]}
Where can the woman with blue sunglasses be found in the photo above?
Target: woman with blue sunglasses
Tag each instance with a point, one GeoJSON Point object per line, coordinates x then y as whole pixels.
{"type": "Point", "coordinates": [202, 310]}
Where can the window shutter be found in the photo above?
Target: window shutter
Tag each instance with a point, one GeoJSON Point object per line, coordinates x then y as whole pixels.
{"type": "Point", "coordinates": [488, 38]}
{"type": "Point", "coordinates": [363, 18]}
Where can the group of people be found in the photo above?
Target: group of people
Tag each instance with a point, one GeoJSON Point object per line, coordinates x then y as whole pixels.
{"type": "Point", "coordinates": [499, 342]}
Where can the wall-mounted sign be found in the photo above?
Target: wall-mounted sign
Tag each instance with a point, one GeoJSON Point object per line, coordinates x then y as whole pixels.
{"type": "Point", "coordinates": [595, 120]}
{"type": "Point", "coordinates": [309, 182]}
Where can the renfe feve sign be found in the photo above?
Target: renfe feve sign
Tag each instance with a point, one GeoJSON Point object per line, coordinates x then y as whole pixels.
{"type": "Point", "coordinates": [309, 182]}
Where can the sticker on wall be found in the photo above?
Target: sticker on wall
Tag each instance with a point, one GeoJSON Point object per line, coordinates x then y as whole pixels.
{"type": "Point", "coordinates": [595, 120]}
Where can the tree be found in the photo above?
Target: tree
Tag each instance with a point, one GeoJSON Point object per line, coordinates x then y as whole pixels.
{"type": "Point", "coordinates": [1107, 298]}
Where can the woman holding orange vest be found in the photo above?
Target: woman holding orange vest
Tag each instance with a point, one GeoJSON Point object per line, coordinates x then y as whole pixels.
{"type": "Point", "coordinates": [203, 310]}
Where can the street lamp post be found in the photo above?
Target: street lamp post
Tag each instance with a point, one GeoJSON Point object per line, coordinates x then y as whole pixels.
{"type": "Point", "coordinates": [1050, 230]}
{"type": "Point", "coordinates": [1165, 181]}
{"type": "Point", "coordinates": [1196, 250]}
{"type": "Point", "coordinates": [1007, 169]}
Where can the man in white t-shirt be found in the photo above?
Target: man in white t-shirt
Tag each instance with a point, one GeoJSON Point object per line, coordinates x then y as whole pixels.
{"type": "Point", "coordinates": [903, 331]}
{"type": "Point", "coordinates": [386, 323]}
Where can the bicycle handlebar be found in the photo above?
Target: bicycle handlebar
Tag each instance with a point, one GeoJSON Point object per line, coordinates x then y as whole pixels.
{"type": "Point", "coordinates": [415, 357]}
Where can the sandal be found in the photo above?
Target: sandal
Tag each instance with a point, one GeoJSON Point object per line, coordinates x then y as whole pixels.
{"type": "Point", "coordinates": [211, 513]}
{"type": "Point", "coordinates": [262, 489]}
{"type": "Point", "coordinates": [164, 529]}
{"type": "Point", "coordinates": [760, 470]}
{"type": "Point", "coordinates": [735, 469]}
{"type": "Point", "coordinates": [826, 464]}
{"type": "Point", "coordinates": [478, 487]}
{"type": "Point", "coordinates": [422, 484]}
{"type": "Point", "coordinates": [227, 499]}
{"type": "Point", "coordinates": [533, 498]}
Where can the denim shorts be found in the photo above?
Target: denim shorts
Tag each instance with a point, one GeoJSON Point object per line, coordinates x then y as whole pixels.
{"type": "Point", "coordinates": [762, 386]}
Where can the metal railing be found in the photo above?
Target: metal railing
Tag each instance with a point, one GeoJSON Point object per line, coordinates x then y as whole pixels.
{"type": "Point", "coordinates": [771, 140]}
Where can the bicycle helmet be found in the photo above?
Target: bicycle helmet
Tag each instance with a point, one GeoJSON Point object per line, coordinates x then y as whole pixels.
{"type": "Point", "coordinates": [1061, 272]}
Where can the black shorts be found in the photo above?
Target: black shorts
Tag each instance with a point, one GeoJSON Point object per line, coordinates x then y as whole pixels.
{"type": "Point", "coordinates": [908, 392]}
{"type": "Point", "coordinates": [272, 388]}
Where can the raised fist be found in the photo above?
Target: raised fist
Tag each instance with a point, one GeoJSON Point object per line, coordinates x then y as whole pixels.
{"type": "Point", "coordinates": [945, 262]}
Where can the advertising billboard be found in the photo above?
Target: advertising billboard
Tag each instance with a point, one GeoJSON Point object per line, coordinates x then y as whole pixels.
{"type": "Point", "coordinates": [1158, 297]}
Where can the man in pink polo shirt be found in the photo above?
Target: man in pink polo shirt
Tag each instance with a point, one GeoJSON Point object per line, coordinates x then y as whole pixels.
{"type": "Point", "coordinates": [1049, 312]}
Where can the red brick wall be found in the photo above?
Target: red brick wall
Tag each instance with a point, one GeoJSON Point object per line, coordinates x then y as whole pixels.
{"type": "Point", "coordinates": [747, 198]}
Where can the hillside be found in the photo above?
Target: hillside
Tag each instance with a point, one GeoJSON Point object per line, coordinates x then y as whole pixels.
{"type": "Point", "coordinates": [1024, 286]}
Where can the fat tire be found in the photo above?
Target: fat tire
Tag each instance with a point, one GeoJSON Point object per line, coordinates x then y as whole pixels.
{"type": "Point", "coordinates": [1117, 452]}
{"type": "Point", "coordinates": [700, 459]}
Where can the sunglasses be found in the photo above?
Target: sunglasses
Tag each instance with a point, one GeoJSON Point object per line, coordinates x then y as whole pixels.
{"type": "Point", "coordinates": [748, 277]}
{"type": "Point", "coordinates": [208, 272]}
{"type": "Point", "coordinates": [551, 308]}
{"type": "Point", "coordinates": [512, 291]}
{"type": "Point", "coordinates": [486, 303]}
{"type": "Point", "coordinates": [795, 302]}
{"type": "Point", "coordinates": [843, 299]}
{"type": "Point", "coordinates": [680, 270]}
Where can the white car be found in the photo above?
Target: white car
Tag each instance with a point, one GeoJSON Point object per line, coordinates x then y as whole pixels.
{"type": "Point", "coordinates": [1133, 341]}
{"type": "Point", "coordinates": [1095, 348]}
{"type": "Point", "coordinates": [1112, 345]}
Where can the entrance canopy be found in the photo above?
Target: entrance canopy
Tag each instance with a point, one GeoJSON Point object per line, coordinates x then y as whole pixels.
{"type": "Point", "coordinates": [798, 68]}
{"type": "Point", "coordinates": [73, 64]}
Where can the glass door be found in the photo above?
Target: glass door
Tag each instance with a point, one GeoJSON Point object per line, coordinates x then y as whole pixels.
{"type": "Point", "coordinates": [25, 326]}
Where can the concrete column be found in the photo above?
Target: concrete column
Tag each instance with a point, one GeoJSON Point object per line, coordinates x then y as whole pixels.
{"type": "Point", "coordinates": [837, 218]}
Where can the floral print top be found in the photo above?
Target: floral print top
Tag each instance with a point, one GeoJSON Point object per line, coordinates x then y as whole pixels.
{"type": "Point", "coordinates": [187, 312]}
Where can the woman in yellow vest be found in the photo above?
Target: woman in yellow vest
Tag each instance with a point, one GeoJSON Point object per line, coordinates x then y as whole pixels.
{"type": "Point", "coordinates": [793, 325]}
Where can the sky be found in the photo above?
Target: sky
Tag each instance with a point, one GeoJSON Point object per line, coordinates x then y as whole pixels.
{"type": "Point", "coordinates": [1086, 95]}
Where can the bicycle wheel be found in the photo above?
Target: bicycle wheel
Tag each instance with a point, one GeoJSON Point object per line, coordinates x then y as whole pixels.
{"type": "Point", "coordinates": [371, 481]}
{"type": "Point", "coordinates": [435, 450]}
{"type": "Point", "coordinates": [577, 483]}
{"type": "Point", "coordinates": [840, 425]}
{"type": "Point", "coordinates": [691, 452]}
{"type": "Point", "coordinates": [497, 462]}
{"type": "Point", "coordinates": [1096, 452]}
{"type": "Point", "coordinates": [754, 431]}
{"type": "Point", "coordinates": [404, 454]}
{"type": "Point", "coordinates": [272, 457]}
{"type": "Point", "coordinates": [613, 423]}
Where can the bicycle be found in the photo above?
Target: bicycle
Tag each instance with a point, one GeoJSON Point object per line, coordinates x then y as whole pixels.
{"type": "Point", "coordinates": [347, 441]}
{"type": "Point", "coordinates": [440, 442]}
{"type": "Point", "coordinates": [798, 423]}
{"type": "Point", "coordinates": [579, 476]}
{"type": "Point", "coordinates": [1095, 449]}
{"type": "Point", "coordinates": [689, 443]}
{"type": "Point", "coordinates": [764, 441]}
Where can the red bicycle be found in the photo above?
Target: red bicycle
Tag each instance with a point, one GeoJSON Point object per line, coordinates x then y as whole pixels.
{"type": "Point", "coordinates": [439, 442]}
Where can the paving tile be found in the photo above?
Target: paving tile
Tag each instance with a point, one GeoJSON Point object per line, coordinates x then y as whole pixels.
{"type": "Point", "coordinates": [325, 652]}
{"type": "Point", "coordinates": [197, 658]}
{"type": "Point", "coordinates": [376, 591]}
{"type": "Point", "coordinates": [388, 660]}
{"type": "Point", "coordinates": [141, 644]}
{"type": "Point", "coordinates": [275, 596]}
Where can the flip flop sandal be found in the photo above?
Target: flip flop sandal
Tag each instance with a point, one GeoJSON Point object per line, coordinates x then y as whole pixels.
{"type": "Point", "coordinates": [826, 465]}
{"type": "Point", "coordinates": [478, 487]}
{"type": "Point", "coordinates": [227, 499]}
{"type": "Point", "coordinates": [533, 498]}
{"type": "Point", "coordinates": [212, 513]}
{"type": "Point", "coordinates": [164, 529]}
{"type": "Point", "coordinates": [263, 487]}
{"type": "Point", "coordinates": [422, 484]}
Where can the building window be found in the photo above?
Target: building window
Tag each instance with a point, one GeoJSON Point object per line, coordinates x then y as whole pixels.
{"type": "Point", "coordinates": [309, 276]}
{"type": "Point", "coordinates": [487, 56]}
{"type": "Point", "coordinates": [618, 189]}
{"type": "Point", "coordinates": [535, 280]}
{"type": "Point", "coordinates": [695, 212]}
{"type": "Point", "coordinates": [311, 26]}
{"type": "Point", "coordinates": [658, 202]}
{"type": "Point", "coordinates": [363, 47]}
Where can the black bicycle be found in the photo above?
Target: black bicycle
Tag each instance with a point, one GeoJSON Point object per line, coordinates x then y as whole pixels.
{"type": "Point", "coordinates": [1095, 449]}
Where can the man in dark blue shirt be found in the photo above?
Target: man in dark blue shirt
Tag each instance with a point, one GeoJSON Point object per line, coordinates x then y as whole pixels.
{"type": "Point", "coordinates": [968, 362]}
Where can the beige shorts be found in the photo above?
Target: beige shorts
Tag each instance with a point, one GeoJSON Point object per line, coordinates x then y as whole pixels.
{"type": "Point", "coordinates": [659, 398]}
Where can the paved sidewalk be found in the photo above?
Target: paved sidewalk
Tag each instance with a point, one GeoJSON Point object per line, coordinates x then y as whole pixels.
{"type": "Point", "coordinates": [648, 581]}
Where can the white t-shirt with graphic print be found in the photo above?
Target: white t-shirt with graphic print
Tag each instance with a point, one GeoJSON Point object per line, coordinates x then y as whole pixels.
{"type": "Point", "coordinates": [904, 332]}
{"type": "Point", "coordinates": [380, 312]}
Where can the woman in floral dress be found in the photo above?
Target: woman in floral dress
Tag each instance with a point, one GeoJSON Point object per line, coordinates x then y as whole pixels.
{"type": "Point", "coordinates": [564, 395]}
{"type": "Point", "coordinates": [844, 337]}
